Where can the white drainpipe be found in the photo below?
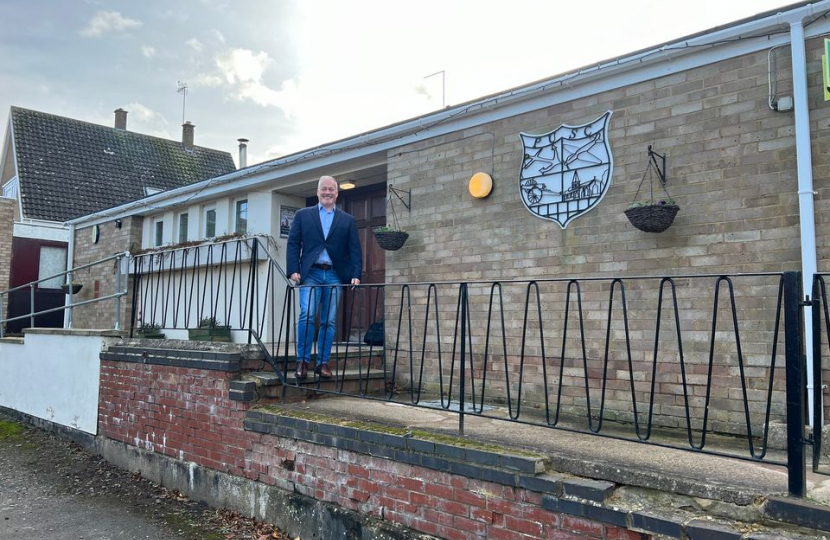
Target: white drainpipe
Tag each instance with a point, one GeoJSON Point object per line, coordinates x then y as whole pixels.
{"type": "Point", "coordinates": [70, 255]}
{"type": "Point", "coordinates": [804, 161]}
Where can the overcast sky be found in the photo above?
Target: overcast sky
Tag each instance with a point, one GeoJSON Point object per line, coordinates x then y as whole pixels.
{"type": "Point", "coordinates": [290, 75]}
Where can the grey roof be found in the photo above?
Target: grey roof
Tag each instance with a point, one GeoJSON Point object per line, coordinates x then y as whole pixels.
{"type": "Point", "coordinates": [67, 168]}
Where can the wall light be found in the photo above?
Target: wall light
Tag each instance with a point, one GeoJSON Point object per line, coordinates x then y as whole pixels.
{"type": "Point", "coordinates": [481, 184]}
{"type": "Point", "coordinates": [348, 184]}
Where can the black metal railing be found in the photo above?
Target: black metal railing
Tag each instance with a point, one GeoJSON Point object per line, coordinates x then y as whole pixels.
{"type": "Point", "coordinates": [66, 280]}
{"type": "Point", "coordinates": [475, 344]}
{"type": "Point", "coordinates": [717, 357]}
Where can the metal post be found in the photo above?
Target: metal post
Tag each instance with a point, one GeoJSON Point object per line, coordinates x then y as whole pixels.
{"type": "Point", "coordinates": [463, 322]}
{"type": "Point", "coordinates": [254, 271]}
{"type": "Point", "coordinates": [818, 394]}
{"type": "Point", "coordinates": [70, 310]}
{"type": "Point", "coordinates": [134, 300]}
{"type": "Point", "coordinates": [118, 270]}
{"type": "Point", "coordinates": [32, 303]}
{"type": "Point", "coordinates": [796, 466]}
{"type": "Point", "coordinates": [2, 318]}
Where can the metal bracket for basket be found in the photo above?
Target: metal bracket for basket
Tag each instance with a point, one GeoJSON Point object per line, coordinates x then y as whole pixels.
{"type": "Point", "coordinates": [397, 192]}
{"type": "Point", "coordinates": [661, 172]}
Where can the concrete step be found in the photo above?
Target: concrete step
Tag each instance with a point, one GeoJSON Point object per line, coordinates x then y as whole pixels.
{"type": "Point", "coordinates": [351, 381]}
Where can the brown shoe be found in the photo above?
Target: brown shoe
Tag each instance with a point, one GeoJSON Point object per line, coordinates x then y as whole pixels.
{"type": "Point", "coordinates": [324, 371]}
{"type": "Point", "coordinates": [302, 370]}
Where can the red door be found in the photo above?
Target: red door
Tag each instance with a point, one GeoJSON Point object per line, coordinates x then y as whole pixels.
{"type": "Point", "coordinates": [368, 206]}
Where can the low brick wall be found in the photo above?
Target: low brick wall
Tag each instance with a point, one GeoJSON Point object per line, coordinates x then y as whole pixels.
{"type": "Point", "coordinates": [185, 413]}
{"type": "Point", "coordinates": [173, 412]}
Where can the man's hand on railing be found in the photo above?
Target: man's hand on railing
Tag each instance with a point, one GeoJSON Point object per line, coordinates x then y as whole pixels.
{"type": "Point", "coordinates": [295, 277]}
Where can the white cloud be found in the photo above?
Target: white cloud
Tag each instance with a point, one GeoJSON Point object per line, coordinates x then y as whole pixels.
{"type": "Point", "coordinates": [206, 80]}
{"type": "Point", "coordinates": [243, 71]}
{"type": "Point", "coordinates": [108, 21]}
{"type": "Point", "coordinates": [218, 35]}
{"type": "Point", "coordinates": [195, 44]}
{"type": "Point", "coordinates": [144, 114]}
{"type": "Point", "coordinates": [148, 51]}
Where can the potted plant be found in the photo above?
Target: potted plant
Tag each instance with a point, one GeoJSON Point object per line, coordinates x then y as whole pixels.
{"type": "Point", "coordinates": [389, 238]}
{"type": "Point", "coordinates": [210, 329]}
{"type": "Point", "coordinates": [71, 288]}
{"type": "Point", "coordinates": [652, 216]}
{"type": "Point", "coordinates": [149, 331]}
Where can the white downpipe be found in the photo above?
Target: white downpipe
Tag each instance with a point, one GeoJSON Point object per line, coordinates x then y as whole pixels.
{"type": "Point", "coordinates": [807, 222]}
{"type": "Point", "coordinates": [70, 256]}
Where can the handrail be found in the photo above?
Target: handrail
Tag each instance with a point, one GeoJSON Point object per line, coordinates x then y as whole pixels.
{"type": "Point", "coordinates": [596, 342]}
{"type": "Point", "coordinates": [70, 305]}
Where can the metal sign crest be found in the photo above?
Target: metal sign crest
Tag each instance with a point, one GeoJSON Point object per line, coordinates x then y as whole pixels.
{"type": "Point", "coordinates": [566, 172]}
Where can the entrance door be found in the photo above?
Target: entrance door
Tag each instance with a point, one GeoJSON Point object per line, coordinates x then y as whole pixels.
{"type": "Point", "coordinates": [368, 206]}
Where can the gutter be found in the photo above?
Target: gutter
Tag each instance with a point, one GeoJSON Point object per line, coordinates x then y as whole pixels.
{"type": "Point", "coordinates": [447, 120]}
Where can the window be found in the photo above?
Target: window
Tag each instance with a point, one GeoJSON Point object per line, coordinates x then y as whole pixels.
{"type": "Point", "coordinates": [210, 222]}
{"type": "Point", "coordinates": [10, 189]}
{"type": "Point", "coordinates": [159, 233]}
{"type": "Point", "coordinates": [183, 227]}
{"type": "Point", "coordinates": [242, 216]}
{"type": "Point", "coordinates": [52, 261]}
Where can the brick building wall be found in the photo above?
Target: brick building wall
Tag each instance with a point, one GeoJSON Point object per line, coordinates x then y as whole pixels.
{"type": "Point", "coordinates": [100, 280]}
{"type": "Point", "coordinates": [185, 413]}
{"type": "Point", "coordinates": [731, 167]}
{"type": "Point", "coordinates": [7, 216]}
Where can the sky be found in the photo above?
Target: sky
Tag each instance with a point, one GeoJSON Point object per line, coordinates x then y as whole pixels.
{"type": "Point", "coordinates": [294, 74]}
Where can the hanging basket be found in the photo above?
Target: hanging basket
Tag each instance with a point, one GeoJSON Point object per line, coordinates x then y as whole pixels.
{"type": "Point", "coordinates": [653, 217]}
{"type": "Point", "coordinates": [391, 240]}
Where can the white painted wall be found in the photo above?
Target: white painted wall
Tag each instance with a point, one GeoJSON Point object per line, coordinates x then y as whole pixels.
{"type": "Point", "coordinates": [54, 376]}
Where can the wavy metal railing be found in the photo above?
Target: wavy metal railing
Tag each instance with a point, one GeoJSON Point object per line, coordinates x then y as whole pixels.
{"type": "Point", "coordinates": [479, 347]}
{"type": "Point", "coordinates": [459, 349]}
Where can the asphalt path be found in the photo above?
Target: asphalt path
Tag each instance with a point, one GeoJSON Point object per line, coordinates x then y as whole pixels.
{"type": "Point", "coordinates": [50, 488]}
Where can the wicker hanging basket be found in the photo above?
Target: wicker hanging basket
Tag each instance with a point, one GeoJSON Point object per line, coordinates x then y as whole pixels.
{"type": "Point", "coordinates": [653, 217]}
{"type": "Point", "coordinates": [391, 240]}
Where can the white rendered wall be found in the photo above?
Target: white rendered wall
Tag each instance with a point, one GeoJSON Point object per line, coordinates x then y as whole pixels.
{"type": "Point", "coordinates": [54, 375]}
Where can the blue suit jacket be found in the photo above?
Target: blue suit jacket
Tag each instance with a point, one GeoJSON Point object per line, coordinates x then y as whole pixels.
{"type": "Point", "coordinates": [306, 242]}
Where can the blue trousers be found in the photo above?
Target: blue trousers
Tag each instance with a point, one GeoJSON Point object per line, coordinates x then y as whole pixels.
{"type": "Point", "coordinates": [322, 300]}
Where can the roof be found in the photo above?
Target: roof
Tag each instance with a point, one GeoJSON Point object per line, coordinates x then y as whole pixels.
{"type": "Point", "coordinates": [67, 168]}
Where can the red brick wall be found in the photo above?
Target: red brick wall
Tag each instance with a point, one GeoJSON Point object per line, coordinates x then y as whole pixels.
{"type": "Point", "coordinates": [185, 413]}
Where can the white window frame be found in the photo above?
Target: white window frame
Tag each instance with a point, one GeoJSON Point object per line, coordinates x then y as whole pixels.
{"type": "Point", "coordinates": [236, 204]}
{"type": "Point", "coordinates": [179, 227]}
{"type": "Point", "coordinates": [205, 210]}
{"type": "Point", "coordinates": [11, 188]}
{"type": "Point", "coordinates": [158, 227]}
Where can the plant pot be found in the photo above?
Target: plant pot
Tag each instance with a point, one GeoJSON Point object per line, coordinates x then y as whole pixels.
{"type": "Point", "coordinates": [75, 288]}
{"type": "Point", "coordinates": [216, 333]}
{"type": "Point", "coordinates": [391, 240]}
{"type": "Point", "coordinates": [652, 218]}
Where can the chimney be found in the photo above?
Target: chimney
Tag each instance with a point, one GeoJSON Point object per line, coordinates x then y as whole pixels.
{"type": "Point", "coordinates": [120, 119]}
{"type": "Point", "coordinates": [243, 153]}
{"type": "Point", "coordinates": [187, 135]}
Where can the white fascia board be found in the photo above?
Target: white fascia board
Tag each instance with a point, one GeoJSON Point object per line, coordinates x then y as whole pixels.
{"type": "Point", "coordinates": [681, 55]}
{"type": "Point", "coordinates": [41, 230]}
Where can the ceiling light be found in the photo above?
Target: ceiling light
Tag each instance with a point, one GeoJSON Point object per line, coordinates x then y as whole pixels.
{"type": "Point", "coordinates": [348, 184]}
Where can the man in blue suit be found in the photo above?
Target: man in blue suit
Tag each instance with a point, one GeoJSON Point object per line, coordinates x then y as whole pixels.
{"type": "Point", "coordinates": [323, 250]}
